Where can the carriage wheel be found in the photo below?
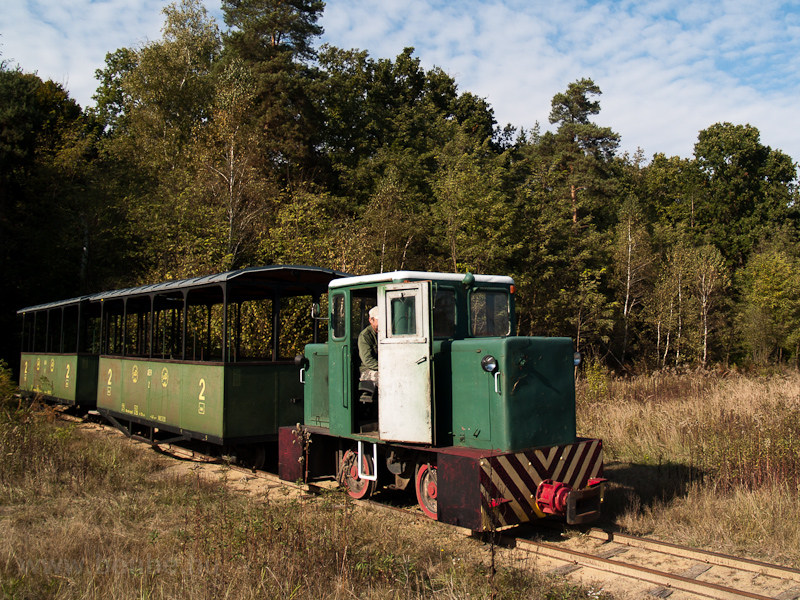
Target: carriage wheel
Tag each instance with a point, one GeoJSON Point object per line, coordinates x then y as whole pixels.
{"type": "Point", "coordinates": [358, 488]}
{"type": "Point", "coordinates": [252, 456]}
{"type": "Point", "coordinates": [427, 490]}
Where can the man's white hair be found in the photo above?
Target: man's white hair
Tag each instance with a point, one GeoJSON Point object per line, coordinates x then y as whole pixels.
{"type": "Point", "coordinates": [373, 312]}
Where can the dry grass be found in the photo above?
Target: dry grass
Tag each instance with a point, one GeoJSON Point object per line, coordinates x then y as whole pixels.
{"type": "Point", "coordinates": [707, 459]}
{"type": "Point", "coordinates": [101, 519]}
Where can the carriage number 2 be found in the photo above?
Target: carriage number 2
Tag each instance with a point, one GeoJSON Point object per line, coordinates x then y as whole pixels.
{"type": "Point", "coordinates": [201, 406]}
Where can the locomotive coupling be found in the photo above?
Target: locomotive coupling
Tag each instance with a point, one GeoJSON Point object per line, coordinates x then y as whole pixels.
{"type": "Point", "coordinates": [578, 506]}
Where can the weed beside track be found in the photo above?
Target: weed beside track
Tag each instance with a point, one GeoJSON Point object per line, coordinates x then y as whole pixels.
{"type": "Point", "coordinates": [705, 459]}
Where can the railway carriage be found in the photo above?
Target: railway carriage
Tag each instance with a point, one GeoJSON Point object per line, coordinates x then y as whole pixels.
{"type": "Point", "coordinates": [59, 357]}
{"type": "Point", "coordinates": [205, 358]}
{"type": "Point", "coordinates": [196, 359]}
{"type": "Point", "coordinates": [480, 422]}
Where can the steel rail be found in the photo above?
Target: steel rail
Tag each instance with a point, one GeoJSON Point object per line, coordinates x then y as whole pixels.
{"type": "Point", "coordinates": [646, 574]}
{"type": "Point", "coordinates": [706, 556]}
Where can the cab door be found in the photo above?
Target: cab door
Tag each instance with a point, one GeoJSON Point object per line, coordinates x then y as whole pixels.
{"type": "Point", "coordinates": [405, 407]}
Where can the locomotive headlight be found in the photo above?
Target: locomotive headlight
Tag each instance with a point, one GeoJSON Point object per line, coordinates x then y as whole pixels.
{"type": "Point", "coordinates": [489, 363]}
{"type": "Point", "coordinates": [576, 358]}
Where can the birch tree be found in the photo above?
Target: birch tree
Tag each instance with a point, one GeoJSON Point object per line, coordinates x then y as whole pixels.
{"type": "Point", "coordinates": [709, 279]}
{"type": "Point", "coordinates": [632, 261]}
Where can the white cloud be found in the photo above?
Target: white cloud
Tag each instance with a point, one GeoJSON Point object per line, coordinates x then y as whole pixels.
{"type": "Point", "coordinates": [667, 68]}
{"type": "Point", "coordinates": [67, 40]}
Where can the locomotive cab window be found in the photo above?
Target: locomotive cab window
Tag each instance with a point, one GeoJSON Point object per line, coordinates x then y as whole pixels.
{"type": "Point", "coordinates": [444, 313]}
{"type": "Point", "coordinates": [338, 316]}
{"type": "Point", "coordinates": [404, 312]}
{"type": "Point", "coordinates": [403, 316]}
{"type": "Point", "coordinates": [490, 314]}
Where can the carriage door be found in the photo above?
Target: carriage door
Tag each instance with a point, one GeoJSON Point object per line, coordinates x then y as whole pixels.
{"type": "Point", "coordinates": [405, 411]}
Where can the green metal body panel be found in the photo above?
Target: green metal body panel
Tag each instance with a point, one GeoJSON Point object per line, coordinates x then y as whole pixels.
{"type": "Point", "coordinates": [340, 382]}
{"type": "Point", "coordinates": [530, 404]}
{"type": "Point", "coordinates": [223, 403]}
{"type": "Point", "coordinates": [472, 393]}
{"type": "Point", "coordinates": [68, 378]}
{"type": "Point", "coordinates": [316, 403]}
{"type": "Point", "coordinates": [260, 398]}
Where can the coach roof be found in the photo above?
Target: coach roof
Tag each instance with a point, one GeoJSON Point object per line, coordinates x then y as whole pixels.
{"type": "Point", "coordinates": [294, 279]}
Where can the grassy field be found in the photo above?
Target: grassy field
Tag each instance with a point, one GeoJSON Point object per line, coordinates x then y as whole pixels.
{"type": "Point", "coordinates": [99, 517]}
{"type": "Point", "coordinates": [707, 459]}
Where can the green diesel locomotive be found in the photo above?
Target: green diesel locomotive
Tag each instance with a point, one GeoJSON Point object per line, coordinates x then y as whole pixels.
{"type": "Point", "coordinates": [480, 422]}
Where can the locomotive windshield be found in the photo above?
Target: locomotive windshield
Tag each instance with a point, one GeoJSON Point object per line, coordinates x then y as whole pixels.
{"type": "Point", "coordinates": [489, 313]}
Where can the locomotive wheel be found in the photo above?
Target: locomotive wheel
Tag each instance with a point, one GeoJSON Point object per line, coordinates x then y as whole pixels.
{"type": "Point", "coordinates": [358, 488]}
{"type": "Point", "coordinates": [427, 490]}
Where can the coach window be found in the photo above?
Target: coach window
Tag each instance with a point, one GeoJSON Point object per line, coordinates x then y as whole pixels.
{"type": "Point", "coordinates": [489, 313]}
{"type": "Point", "coordinates": [53, 330]}
{"type": "Point", "coordinates": [39, 331]}
{"type": "Point", "coordinates": [71, 317]}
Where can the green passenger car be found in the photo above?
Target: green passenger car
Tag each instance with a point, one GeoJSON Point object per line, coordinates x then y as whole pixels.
{"type": "Point", "coordinates": [210, 358]}
{"type": "Point", "coordinates": [59, 351]}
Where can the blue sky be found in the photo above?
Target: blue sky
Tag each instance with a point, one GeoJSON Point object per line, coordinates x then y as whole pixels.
{"type": "Point", "coordinates": [667, 68]}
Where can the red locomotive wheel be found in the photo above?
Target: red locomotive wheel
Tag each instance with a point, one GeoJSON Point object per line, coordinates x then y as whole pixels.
{"type": "Point", "coordinates": [427, 490]}
{"type": "Point", "coordinates": [358, 488]}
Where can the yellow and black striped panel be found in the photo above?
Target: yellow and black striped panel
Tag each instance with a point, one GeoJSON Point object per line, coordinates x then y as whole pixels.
{"type": "Point", "coordinates": [509, 481]}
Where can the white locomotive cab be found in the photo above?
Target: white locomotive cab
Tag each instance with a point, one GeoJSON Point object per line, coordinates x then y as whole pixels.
{"type": "Point", "coordinates": [405, 410]}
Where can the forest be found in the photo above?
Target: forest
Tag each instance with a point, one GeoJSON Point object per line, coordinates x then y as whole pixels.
{"type": "Point", "coordinates": [225, 145]}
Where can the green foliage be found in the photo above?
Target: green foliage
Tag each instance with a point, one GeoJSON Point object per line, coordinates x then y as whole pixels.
{"type": "Point", "coordinates": [709, 279]}
{"type": "Point", "coordinates": [7, 385]}
{"type": "Point", "coordinates": [633, 265]}
{"type": "Point", "coordinates": [769, 316]}
{"type": "Point", "coordinates": [274, 38]}
{"type": "Point", "coordinates": [747, 188]}
{"type": "Point", "coordinates": [262, 29]}
{"type": "Point", "coordinates": [211, 150]}
{"type": "Point", "coordinates": [595, 382]}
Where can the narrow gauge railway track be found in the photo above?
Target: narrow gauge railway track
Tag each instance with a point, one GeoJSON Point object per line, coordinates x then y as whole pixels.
{"type": "Point", "coordinates": [659, 569]}
{"type": "Point", "coordinates": [273, 481]}
{"type": "Point", "coordinates": [182, 453]}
